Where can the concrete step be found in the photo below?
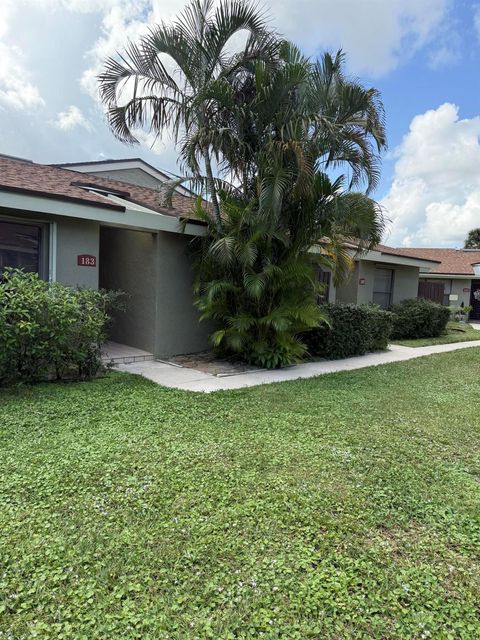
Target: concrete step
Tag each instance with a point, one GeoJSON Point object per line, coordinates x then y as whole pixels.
{"type": "Point", "coordinates": [115, 353]}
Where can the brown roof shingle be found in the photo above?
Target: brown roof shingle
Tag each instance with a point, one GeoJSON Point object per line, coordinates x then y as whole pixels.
{"type": "Point", "coordinates": [452, 261]}
{"type": "Point", "coordinates": [64, 184]}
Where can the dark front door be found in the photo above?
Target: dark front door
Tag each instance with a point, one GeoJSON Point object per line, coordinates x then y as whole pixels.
{"type": "Point", "coordinates": [475, 300]}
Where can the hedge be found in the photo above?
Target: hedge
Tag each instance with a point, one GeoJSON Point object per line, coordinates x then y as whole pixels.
{"type": "Point", "coordinates": [354, 330]}
{"type": "Point", "coordinates": [49, 330]}
{"type": "Point", "coordinates": [419, 318]}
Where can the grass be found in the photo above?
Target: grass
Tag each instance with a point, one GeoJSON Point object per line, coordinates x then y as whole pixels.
{"type": "Point", "coordinates": [456, 332]}
{"type": "Point", "coordinates": [346, 506]}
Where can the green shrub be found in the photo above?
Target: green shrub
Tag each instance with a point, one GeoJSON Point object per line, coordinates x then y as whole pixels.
{"type": "Point", "coordinates": [419, 318]}
{"type": "Point", "coordinates": [49, 330]}
{"type": "Point", "coordinates": [354, 330]}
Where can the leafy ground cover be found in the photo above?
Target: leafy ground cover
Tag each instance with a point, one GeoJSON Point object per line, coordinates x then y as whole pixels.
{"type": "Point", "coordinates": [456, 332]}
{"type": "Point", "coordinates": [346, 506]}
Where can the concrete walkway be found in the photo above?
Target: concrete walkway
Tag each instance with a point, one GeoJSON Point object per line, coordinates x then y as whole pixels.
{"type": "Point", "coordinates": [192, 380]}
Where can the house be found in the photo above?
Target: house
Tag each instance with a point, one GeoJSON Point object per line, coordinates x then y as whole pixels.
{"type": "Point", "coordinates": [103, 224]}
{"type": "Point", "coordinates": [82, 229]}
{"type": "Point", "coordinates": [382, 276]}
{"type": "Point", "coordinates": [454, 281]}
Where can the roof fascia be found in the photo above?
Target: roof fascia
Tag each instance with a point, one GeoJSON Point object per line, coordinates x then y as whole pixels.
{"type": "Point", "coordinates": [406, 261]}
{"type": "Point", "coordinates": [129, 218]}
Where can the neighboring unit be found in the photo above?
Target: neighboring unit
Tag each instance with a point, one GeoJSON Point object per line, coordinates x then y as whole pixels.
{"type": "Point", "coordinates": [381, 276]}
{"type": "Point", "coordinates": [455, 281]}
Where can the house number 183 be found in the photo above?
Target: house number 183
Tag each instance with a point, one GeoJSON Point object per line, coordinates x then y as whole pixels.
{"type": "Point", "coordinates": [85, 260]}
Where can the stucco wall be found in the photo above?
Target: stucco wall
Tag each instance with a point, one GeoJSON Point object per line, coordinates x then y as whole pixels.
{"type": "Point", "coordinates": [405, 283]}
{"type": "Point", "coordinates": [366, 270]}
{"type": "Point", "coordinates": [178, 329]}
{"type": "Point", "coordinates": [133, 176]}
{"type": "Point", "coordinates": [128, 262]}
{"type": "Point", "coordinates": [347, 292]}
{"type": "Point", "coordinates": [154, 270]}
{"type": "Point", "coordinates": [457, 289]}
{"type": "Point", "coordinates": [73, 238]}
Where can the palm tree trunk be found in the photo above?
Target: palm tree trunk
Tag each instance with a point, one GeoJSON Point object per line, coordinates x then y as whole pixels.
{"type": "Point", "coordinates": [211, 188]}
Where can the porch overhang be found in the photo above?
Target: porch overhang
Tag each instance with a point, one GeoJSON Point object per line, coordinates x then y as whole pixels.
{"type": "Point", "coordinates": [134, 217]}
{"type": "Point", "coordinates": [392, 259]}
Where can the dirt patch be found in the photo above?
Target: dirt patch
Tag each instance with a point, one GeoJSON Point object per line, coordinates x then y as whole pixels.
{"type": "Point", "coordinates": [207, 362]}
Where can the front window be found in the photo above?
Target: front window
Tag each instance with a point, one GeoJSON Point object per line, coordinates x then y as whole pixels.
{"type": "Point", "coordinates": [383, 287]}
{"type": "Point", "coordinates": [23, 246]}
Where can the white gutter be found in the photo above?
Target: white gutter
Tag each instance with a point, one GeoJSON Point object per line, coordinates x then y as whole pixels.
{"type": "Point", "coordinates": [447, 276]}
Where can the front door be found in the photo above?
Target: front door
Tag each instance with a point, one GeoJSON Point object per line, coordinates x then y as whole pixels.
{"type": "Point", "coordinates": [475, 300]}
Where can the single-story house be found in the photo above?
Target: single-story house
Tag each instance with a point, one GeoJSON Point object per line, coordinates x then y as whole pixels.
{"type": "Point", "coordinates": [454, 281]}
{"type": "Point", "coordinates": [381, 276]}
{"type": "Point", "coordinates": [103, 224]}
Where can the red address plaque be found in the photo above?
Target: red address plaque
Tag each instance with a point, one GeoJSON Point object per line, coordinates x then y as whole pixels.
{"type": "Point", "coordinates": [86, 260]}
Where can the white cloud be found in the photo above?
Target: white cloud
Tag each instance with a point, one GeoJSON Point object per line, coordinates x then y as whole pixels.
{"type": "Point", "coordinates": [16, 90]}
{"type": "Point", "coordinates": [124, 21]}
{"type": "Point", "coordinates": [435, 195]}
{"type": "Point", "coordinates": [71, 118]}
{"type": "Point", "coordinates": [377, 35]}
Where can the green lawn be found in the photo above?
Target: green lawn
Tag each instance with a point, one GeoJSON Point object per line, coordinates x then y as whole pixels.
{"type": "Point", "coordinates": [346, 506]}
{"type": "Point", "coordinates": [456, 332]}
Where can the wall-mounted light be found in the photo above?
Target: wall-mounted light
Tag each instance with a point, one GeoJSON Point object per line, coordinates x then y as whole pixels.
{"type": "Point", "coordinates": [361, 281]}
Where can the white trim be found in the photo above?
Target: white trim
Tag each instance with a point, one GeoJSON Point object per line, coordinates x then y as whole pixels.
{"type": "Point", "coordinates": [388, 258]}
{"type": "Point", "coordinates": [46, 226]}
{"type": "Point", "coordinates": [142, 220]}
{"type": "Point", "coordinates": [446, 276]}
{"type": "Point", "coordinates": [52, 248]}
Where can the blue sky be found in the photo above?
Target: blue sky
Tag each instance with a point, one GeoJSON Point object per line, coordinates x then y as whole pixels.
{"type": "Point", "coordinates": [423, 55]}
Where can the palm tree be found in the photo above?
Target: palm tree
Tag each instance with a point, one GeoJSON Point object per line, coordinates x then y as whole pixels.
{"type": "Point", "coordinates": [291, 139]}
{"type": "Point", "coordinates": [178, 74]}
{"type": "Point", "coordinates": [298, 118]}
{"type": "Point", "coordinates": [256, 272]}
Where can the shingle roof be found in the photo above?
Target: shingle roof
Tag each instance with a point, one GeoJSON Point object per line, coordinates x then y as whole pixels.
{"type": "Point", "coordinates": [64, 184]}
{"type": "Point", "coordinates": [452, 261]}
{"type": "Point", "coordinates": [392, 251]}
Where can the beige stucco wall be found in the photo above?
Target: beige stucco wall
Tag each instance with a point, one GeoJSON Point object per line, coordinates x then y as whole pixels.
{"type": "Point", "coordinates": [154, 269]}
{"type": "Point", "coordinates": [73, 238]}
